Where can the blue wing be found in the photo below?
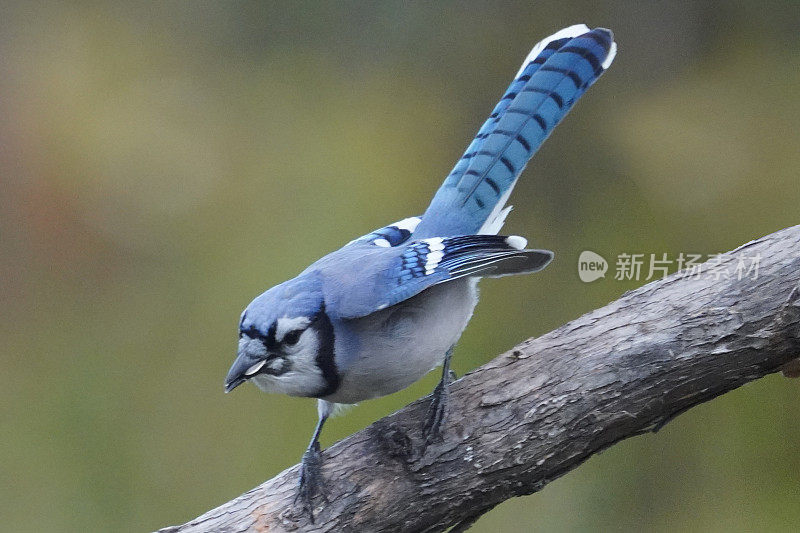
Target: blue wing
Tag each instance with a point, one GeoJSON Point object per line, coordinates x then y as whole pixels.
{"type": "Point", "coordinates": [413, 267]}
{"type": "Point", "coordinates": [556, 73]}
{"type": "Point", "coordinates": [392, 235]}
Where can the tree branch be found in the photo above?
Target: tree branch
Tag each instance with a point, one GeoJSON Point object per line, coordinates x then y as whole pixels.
{"type": "Point", "coordinates": [538, 411]}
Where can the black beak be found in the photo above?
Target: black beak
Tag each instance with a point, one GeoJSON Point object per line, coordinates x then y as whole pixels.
{"type": "Point", "coordinates": [230, 385]}
{"type": "Point", "coordinates": [237, 374]}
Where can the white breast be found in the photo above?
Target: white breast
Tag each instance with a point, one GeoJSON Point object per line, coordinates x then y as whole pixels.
{"type": "Point", "coordinates": [400, 344]}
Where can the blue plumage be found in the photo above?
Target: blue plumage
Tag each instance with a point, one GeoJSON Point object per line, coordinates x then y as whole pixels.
{"type": "Point", "coordinates": [547, 48]}
{"type": "Point", "coordinates": [548, 86]}
{"type": "Point", "coordinates": [381, 312]}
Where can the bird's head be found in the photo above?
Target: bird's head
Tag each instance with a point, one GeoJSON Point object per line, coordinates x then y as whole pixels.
{"type": "Point", "coordinates": [286, 342]}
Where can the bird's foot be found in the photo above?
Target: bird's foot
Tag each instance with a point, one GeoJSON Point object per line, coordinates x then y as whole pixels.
{"type": "Point", "coordinates": [310, 483]}
{"type": "Point", "coordinates": [437, 412]}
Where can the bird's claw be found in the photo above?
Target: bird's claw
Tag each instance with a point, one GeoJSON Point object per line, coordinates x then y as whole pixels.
{"type": "Point", "coordinates": [310, 483]}
{"type": "Point", "coordinates": [437, 413]}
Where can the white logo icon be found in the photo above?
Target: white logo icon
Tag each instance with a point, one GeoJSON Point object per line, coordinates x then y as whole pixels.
{"type": "Point", "coordinates": [591, 266]}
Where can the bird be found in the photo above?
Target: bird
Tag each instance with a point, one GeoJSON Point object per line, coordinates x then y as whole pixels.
{"type": "Point", "coordinates": [387, 308]}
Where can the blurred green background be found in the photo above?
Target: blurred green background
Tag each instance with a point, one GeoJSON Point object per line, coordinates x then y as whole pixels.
{"type": "Point", "coordinates": [162, 164]}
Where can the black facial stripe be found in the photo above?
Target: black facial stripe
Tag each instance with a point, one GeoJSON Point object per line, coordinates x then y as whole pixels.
{"type": "Point", "coordinates": [269, 339]}
{"type": "Point", "coordinates": [325, 358]}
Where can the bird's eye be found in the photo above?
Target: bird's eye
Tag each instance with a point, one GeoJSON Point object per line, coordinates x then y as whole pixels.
{"type": "Point", "coordinates": [292, 337]}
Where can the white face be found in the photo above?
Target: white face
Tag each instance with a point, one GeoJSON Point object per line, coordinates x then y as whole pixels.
{"type": "Point", "coordinates": [291, 366]}
{"type": "Point", "coordinates": [290, 327]}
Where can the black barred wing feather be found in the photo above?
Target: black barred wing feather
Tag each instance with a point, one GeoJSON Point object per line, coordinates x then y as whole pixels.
{"type": "Point", "coordinates": [471, 255]}
{"type": "Point", "coordinates": [418, 265]}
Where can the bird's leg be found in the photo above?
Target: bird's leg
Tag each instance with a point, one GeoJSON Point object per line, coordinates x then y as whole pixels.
{"type": "Point", "coordinates": [310, 476]}
{"type": "Point", "coordinates": [437, 412]}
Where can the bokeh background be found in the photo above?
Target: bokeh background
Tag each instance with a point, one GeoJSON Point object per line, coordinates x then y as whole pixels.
{"type": "Point", "coordinates": [163, 163]}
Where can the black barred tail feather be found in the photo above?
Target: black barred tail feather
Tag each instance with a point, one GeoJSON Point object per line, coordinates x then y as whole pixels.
{"type": "Point", "coordinates": [555, 74]}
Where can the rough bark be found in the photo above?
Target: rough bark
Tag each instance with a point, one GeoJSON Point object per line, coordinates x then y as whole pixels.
{"type": "Point", "coordinates": [541, 409]}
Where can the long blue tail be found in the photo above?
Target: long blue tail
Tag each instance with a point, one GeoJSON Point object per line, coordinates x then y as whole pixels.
{"type": "Point", "coordinates": [557, 72]}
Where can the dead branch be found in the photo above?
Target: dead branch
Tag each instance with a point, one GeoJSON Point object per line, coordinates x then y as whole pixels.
{"type": "Point", "coordinates": [538, 411]}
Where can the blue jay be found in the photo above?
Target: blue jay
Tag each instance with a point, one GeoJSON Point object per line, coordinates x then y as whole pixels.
{"type": "Point", "coordinates": [378, 314]}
